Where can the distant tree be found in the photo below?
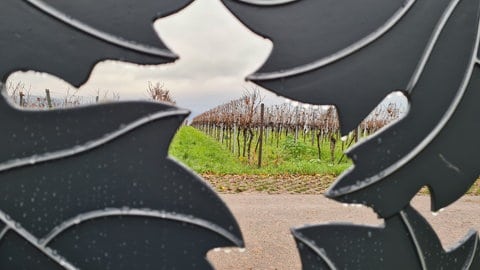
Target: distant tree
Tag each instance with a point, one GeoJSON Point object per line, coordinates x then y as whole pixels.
{"type": "Point", "coordinates": [158, 92]}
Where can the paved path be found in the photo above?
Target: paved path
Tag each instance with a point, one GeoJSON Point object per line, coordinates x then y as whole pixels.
{"type": "Point", "coordinates": [265, 221]}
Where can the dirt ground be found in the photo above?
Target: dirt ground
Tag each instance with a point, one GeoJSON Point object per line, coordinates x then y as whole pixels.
{"type": "Point", "coordinates": [266, 220]}
{"type": "Point", "coordinates": [282, 184]}
{"type": "Point", "coordinates": [279, 184]}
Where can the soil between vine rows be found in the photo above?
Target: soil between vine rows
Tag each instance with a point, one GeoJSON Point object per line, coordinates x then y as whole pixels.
{"type": "Point", "coordinates": [276, 184]}
{"type": "Point", "coordinates": [284, 184]}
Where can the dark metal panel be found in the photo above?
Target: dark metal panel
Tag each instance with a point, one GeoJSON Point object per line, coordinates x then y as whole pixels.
{"type": "Point", "coordinates": [379, 54]}
{"type": "Point", "coordinates": [406, 241]}
{"type": "Point", "coordinates": [126, 19]}
{"type": "Point", "coordinates": [307, 31]}
{"type": "Point", "coordinates": [429, 51]}
{"type": "Point", "coordinates": [446, 87]}
{"type": "Point", "coordinates": [93, 187]}
{"type": "Point", "coordinates": [17, 254]}
{"type": "Point", "coordinates": [67, 43]}
{"type": "Point", "coordinates": [36, 133]}
{"type": "Point", "coordinates": [115, 184]}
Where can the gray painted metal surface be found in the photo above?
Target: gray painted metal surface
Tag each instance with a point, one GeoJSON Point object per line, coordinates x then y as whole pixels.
{"type": "Point", "coordinates": [352, 54]}
{"type": "Point", "coordinates": [93, 188]}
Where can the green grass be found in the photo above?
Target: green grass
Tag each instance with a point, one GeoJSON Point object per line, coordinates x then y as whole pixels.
{"type": "Point", "coordinates": [296, 163]}
{"type": "Point", "coordinates": [202, 153]}
{"type": "Point", "coordinates": [205, 155]}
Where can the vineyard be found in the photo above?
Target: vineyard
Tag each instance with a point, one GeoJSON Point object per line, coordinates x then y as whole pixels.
{"type": "Point", "coordinates": [260, 135]}
{"type": "Point", "coordinates": [285, 138]}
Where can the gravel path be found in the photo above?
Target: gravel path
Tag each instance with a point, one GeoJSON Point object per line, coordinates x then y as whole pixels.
{"type": "Point", "coordinates": [266, 220]}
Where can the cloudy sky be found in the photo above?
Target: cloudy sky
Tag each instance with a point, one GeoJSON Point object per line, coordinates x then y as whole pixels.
{"type": "Point", "coordinates": [216, 54]}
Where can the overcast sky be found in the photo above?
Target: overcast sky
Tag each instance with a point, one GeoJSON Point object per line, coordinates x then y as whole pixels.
{"type": "Point", "coordinates": [216, 54]}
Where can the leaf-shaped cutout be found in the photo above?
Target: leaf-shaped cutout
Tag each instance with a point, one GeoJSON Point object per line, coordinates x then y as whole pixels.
{"type": "Point", "coordinates": [341, 52]}
{"type": "Point", "coordinates": [128, 178]}
{"type": "Point", "coordinates": [40, 35]}
{"type": "Point", "coordinates": [434, 144]}
{"type": "Point", "coordinates": [406, 241]}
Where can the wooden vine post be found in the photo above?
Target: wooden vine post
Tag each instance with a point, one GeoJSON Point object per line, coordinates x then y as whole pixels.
{"type": "Point", "coordinates": [260, 136]}
{"type": "Point", "coordinates": [49, 98]}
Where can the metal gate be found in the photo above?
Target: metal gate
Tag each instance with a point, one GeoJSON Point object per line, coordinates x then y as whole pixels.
{"type": "Point", "coordinates": [93, 188]}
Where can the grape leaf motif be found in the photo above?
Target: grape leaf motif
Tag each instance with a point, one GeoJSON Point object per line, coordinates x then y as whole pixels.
{"type": "Point", "coordinates": [445, 73]}
{"type": "Point", "coordinates": [406, 241]}
{"type": "Point", "coordinates": [93, 187]}
{"type": "Point", "coordinates": [340, 52]}
{"type": "Point", "coordinates": [427, 49]}
{"type": "Point", "coordinates": [106, 197]}
{"type": "Point", "coordinates": [66, 38]}
{"type": "Point", "coordinates": [438, 139]}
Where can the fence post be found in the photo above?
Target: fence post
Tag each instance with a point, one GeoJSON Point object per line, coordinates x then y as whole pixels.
{"type": "Point", "coordinates": [260, 136]}
{"type": "Point", "coordinates": [22, 101]}
{"type": "Point", "coordinates": [49, 99]}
